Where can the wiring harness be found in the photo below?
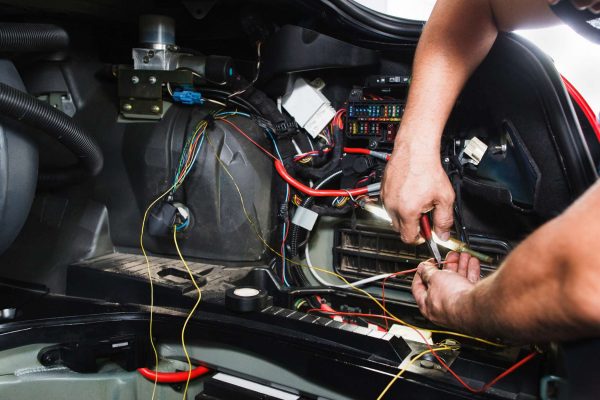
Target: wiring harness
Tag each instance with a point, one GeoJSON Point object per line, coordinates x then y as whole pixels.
{"type": "Point", "coordinates": [317, 174]}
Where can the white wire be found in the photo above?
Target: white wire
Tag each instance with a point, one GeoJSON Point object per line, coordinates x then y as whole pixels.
{"type": "Point", "coordinates": [314, 273]}
{"type": "Point", "coordinates": [323, 282]}
{"type": "Point", "coordinates": [310, 143]}
{"type": "Point", "coordinates": [323, 137]}
{"type": "Point", "coordinates": [258, 57]}
{"type": "Point", "coordinates": [298, 149]}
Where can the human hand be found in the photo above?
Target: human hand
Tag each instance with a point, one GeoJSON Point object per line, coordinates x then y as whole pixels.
{"type": "Point", "coordinates": [438, 292]}
{"type": "Point", "coordinates": [415, 183]}
{"type": "Point", "coordinates": [591, 5]}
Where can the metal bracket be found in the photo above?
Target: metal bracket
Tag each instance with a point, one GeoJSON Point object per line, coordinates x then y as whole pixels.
{"type": "Point", "coordinates": [140, 91]}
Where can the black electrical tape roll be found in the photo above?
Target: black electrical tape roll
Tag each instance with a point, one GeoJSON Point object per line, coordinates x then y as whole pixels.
{"type": "Point", "coordinates": [245, 299]}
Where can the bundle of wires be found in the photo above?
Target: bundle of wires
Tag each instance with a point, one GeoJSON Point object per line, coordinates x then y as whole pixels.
{"type": "Point", "coordinates": [186, 163]}
{"type": "Point", "coordinates": [189, 154]}
{"type": "Point", "coordinates": [387, 314]}
{"type": "Point", "coordinates": [187, 160]}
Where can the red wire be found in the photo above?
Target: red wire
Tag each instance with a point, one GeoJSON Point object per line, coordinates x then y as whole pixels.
{"type": "Point", "coordinates": [267, 152]}
{"type": "Point", "coordinates": [350, 150]}
{"type": "Point", "coordinates": [354, 192]}
{"type": "Point", "coordinates": [316, 192]}
{"type": "Point", "coordinates": [173, 377]}
{"type": "Point", "coordinates": [485, 387]}
{"type": "Point", "coordinates": [357, 150]}
{"type": "Point", "coordinates": [409, 271]}
{"type": "Point", "coordinates": [280, 168]}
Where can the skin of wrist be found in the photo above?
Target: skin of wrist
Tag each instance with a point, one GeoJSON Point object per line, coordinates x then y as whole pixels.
{"type": "Point", "coordinates": [461, 310]}
{"type": "Point", "coordinates": [415, 154]}
{"type": "Point", "coordinates": [417, 143]}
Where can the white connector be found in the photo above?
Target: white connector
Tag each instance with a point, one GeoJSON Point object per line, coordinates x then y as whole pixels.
{"type": "Point", "coordinates": [309, 107]}
{"type": "Point", "coordinates": [475, 150]}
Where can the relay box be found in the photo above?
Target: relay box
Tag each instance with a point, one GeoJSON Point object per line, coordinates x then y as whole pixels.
{"type": "Point", "coordinates": [376, 120]}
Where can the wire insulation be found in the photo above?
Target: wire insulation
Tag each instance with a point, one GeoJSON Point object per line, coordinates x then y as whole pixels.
{"type": "Point", "coordinates": [173, 377]}
{"type": "Point", "coordinates": [414, 360]}
{"type": "Point", "coordinates": [192, 311]}
{"type": "Point", "coordinates": [323, 270]}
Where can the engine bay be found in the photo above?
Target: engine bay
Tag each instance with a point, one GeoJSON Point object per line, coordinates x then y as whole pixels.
{"type": "Point", "coordinates": [231, 184]}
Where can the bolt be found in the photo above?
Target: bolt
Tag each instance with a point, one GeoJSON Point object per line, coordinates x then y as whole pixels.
{"type": "Point", "coordinates": [152, 79]}
{"type": "Point", "coordinates": [427, 364]}
{"type": "Point", "coordinates": [499, 149]}
{"type": "Point", "coordinates": [48, 359]}
{"type": "Point", "coordinates": [127, 107]}
{"type": "Point", "coordinates": [135, 79]}
{"type": "Point", "coordinates": [155, 109]}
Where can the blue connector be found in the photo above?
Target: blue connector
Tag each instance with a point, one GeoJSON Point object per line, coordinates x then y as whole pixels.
{"type": "Point", "coordinates": [188, 97]}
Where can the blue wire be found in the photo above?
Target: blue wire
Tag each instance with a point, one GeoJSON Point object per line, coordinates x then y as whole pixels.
{"type": "Point", "coordinates": [287, 195]}
{"type": "Point", "coordinates": [287, 187]}
{"type": "Point", "coordinates": [194, 159]}
{"type": "Point", "coordinates": [183, 225]}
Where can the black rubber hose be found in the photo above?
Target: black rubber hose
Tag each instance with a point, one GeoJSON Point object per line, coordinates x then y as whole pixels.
{"type": "Point", "coordinates": [40, 115]}
{"type": "Point", "coordinates": [19, 37]}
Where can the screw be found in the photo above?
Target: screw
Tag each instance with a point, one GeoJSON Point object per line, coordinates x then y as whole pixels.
{"type": "Point", "coordinates": [426, 364]}
{"type": "Point", "coordinates": [499, 149]}
{"type": "Point", "coordinates": [155, 109]}
{"type": "Point", "coordinates": [127, 107]}
{"type": "Point", "coordinates": [48, 359]}
{"type": "Point", "coordinates": [135, 80]}
{"type": "Point", "coordinates": [146, 59]}
{"type": "Point", "coordinates": [152, 79]}
{"type": "Point", "coordinates": [446, 159]}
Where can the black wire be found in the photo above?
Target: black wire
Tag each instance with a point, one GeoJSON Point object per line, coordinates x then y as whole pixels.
{"type": "Point", "coordinates": [224, 96]}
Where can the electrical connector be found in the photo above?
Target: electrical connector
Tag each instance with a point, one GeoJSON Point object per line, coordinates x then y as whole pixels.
{"type": "Point", "coordinates": [188, 97]}
{"type": "Point", "coordinates": [475, 150]}
{"type": "Point", "coordinates": [309, 107]}
{"type": "Point", "coordinates": [305, 218]}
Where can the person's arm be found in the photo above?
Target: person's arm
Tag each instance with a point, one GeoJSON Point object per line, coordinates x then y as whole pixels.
{"type": "Point", "coordinates": [457, 37]}
{"type": "Point", "coordinates": [547, 289]}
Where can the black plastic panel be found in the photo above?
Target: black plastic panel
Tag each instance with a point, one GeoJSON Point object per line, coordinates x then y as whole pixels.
{"type": "Point", "coordinates": [219, 227]}
{"type": "Point", "coordinates": [297, 49]}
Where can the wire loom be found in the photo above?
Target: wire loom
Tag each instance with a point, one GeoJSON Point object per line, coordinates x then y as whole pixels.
{"type": "Point", "coordinates": [201, 132]}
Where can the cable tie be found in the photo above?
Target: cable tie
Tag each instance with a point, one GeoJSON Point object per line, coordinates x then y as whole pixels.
{"type": "Point", "coordinates": [210, 121]}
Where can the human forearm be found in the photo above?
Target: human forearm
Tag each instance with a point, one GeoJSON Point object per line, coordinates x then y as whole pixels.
{"type": "Point", "coordinates": [447, 54]}
{"type": "Point", "coordinates": [548, 287]}
{"type": "Point", "coordinates": [457, 37]}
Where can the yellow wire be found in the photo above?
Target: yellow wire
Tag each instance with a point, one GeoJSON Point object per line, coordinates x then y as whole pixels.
{"type": "Point", "coordinates": [151, 284]}
{"type": "Point", "coordinates": [399, 374]}
{"type": "Point", "coordinates": [151, 323]}
{"type": "Point", "coordinates": [192, 311]}
{"type": "Point", "coordinates": [381, 306]}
